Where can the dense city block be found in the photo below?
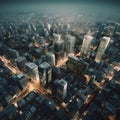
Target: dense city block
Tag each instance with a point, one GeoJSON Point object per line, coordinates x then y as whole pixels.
{"type": "Point", "coordinates": [55, 67]}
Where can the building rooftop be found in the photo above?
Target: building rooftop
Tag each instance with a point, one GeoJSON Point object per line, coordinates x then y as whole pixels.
{"type": "Point", "coordinates": [73, 58]}
{"type": "Point", "coordinates": [31, 65]}
{"type": "Point", "coordinates": [44, 65]}
{"type": "Point", "coordinates": [59, 41]}
{"type": "Point", "coordinates": [20, 75]}
{"type": "Point", "coordinates": [63, 82]}
{"type": "Point", "coordinates": [19, 59]}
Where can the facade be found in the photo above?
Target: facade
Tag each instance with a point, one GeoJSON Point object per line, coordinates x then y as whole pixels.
{"type": "Point", "coordinates": [59, 49]}
{"type": "Point", "coordinates": [100, 30]}
{"type": "Point", "coordinates": [56, 37]}
{"type": "Point", "coordinates": [72, 63]}
{"type": "Point", "coordinates": [82, 66]}
{"type": "Point", "coordinates": [76, 65]}
{"type": "Point", "coordinates": [59, 46]}
{"type": "Point", "coordinates": [46, 73]}
{"type": "Point", "coordinates": [69, 44]}
{"type": "Point", "coordinates": [50, 58]}
{"type": "Point", "coordinates": [21, 80]}
{"type": "Point", "coordinates": [61, 88]}
{"type": "Point", "coordinates": [101, 49]}
{"type": "Point", "coordinates": [32, 70]}
{"type": "Point", "coordinates": [20, 61]}
{"type": "Point", "coordinates": [86, 45]}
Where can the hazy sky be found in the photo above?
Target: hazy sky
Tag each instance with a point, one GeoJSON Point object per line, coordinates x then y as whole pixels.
{"type": "Point", "coordinates": [7, 4]}
{"type": "Point", "coordinates": [59, 0]}
{"type": "Point", "coordinates": [102, 8]}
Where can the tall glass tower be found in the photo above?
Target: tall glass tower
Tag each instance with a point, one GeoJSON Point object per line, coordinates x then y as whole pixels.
{"type": "Point", "coordinates": [86, 45]}
{"type": "Point", "coordinates": [102, 47]}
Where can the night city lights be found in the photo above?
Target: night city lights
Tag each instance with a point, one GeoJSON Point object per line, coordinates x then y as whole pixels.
{"type": "Point", "coordinates": [60, 60]}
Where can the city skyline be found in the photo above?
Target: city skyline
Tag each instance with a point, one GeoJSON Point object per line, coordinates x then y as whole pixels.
{"type": "Point", "coordinates": [59, 60]}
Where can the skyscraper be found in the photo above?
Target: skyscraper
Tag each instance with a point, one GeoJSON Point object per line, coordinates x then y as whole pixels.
{"type": "Point", "coordinates": [56, 37]}
{"type": "Point", "coordinates": [59, 49]}
{"type": "Point", "coordinates": [50, 58]}
{"type": "Point", "coordinates": [32, 70]}
{"type": "Point", "coordinates": [69, 44]}
{"type": "Point", "coordinates": [46, 73]}
{"type": "Point", "coordinates": [100, 30]}
{"type": "Point", "coordinates": [72, 63]}
{"type": "Point", "coordinates": [21, 80]}
{"type": "Point", "coordinates": [20, 61]}
{"type": "Point", "coordinates": [60, 88]}
{"type": "Point", "coordinates": [86, 45]}
{"type": "Point", "coordinates": [77, 65]}
{"type": "Point", "coordinates": [102, 47]}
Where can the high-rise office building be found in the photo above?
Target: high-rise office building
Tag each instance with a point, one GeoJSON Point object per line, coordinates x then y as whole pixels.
{"type": "Point", "coordinates": [22, 82]}
{"type": "Point", "coordinates": [44, 48]}
{"type": "Point", "coordinates": [32, 70]}
{"type": "Point", "coordinates": [60, 88]}
{"type": "Point", "coordinates": [82, 66]}
{"type": "Point", "coordinates": [69, 44]}
{"type": "Point", "coordinates": [72, 63]}
{"type": "Point", "coordinates": [45, 72]}
{"type": "Point", "coordinates": [20, 61]}
{"type": "Point", "coordinates": [100, 30]}
{"type": "Point", "coordinates": [56, 37]}
{"type": "Point", "coordinates": [59, 49]}
{"type": "Point", "coordinates": [86, 45]}
{"type": "Point", "coordinates": [59, 45]}
{"type": "Point", "coordinates": [77, 65]}
{"type": "Point", "coordinates": [50, 58]}
{"type": "Point", "coordinates": [104, 41]}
